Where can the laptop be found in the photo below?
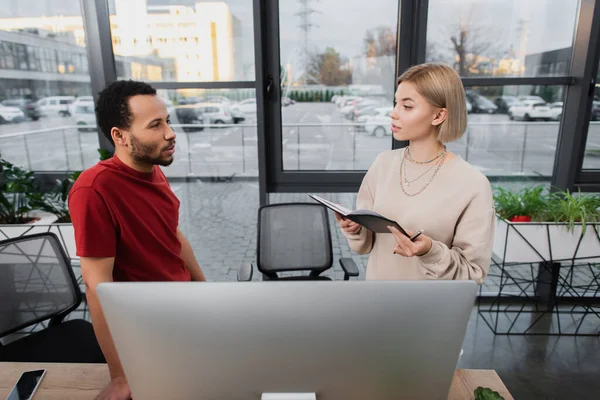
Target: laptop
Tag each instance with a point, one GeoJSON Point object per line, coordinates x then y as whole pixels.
{"type": "Point", "coordinates": [289, 340]}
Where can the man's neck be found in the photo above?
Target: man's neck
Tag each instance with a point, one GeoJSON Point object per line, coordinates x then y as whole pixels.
{"type": "Point", "coordinates": [131, 163]}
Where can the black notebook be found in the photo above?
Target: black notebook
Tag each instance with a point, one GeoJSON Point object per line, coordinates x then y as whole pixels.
{"type": "Point", "coordinates": [369, 219]}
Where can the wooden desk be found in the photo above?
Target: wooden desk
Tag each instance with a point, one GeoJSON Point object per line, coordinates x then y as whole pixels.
{"type": "Point", "coordinates": [85, 381]}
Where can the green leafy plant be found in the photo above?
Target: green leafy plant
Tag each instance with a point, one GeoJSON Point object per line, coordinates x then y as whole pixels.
{"type": "Point", "coordinates": [55, 201]}
{"type": "Point", "coordinates": [16, 188]}
{"type": "Point", "coordinates": [104, 154]}
{"type": "Point", "coordinates": [20, 195]}
{"type": "Point", "coordinates": [482, 393]}
{"type": "Point", "coordinates": [573, 209]}
{"type": "Point", "coordinates": [529, 202]}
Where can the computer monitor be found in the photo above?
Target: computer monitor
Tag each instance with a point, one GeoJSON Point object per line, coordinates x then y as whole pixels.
{"type": "Point", "coordinates": [325, 340]}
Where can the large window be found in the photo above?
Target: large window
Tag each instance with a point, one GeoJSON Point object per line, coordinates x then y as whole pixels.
{"type": "Point", "coordinates": [512, 130]}
{"type": "Point", "coordinates": [591, 158]}
{"type": "Point", "coordinates": [43, 76]}
{"type": "Point", "coordinates": [216, 132]}
{"type": "Point", "coordinates": [188, 42]}
{"type": "Point", "coordinates": [337, 83]}
{"type": "Point", "coordinates": [502, 37]}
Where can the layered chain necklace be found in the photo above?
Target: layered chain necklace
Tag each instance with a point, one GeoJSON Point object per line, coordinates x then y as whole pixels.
{"type": "Point", "coordinates": [405, 182]}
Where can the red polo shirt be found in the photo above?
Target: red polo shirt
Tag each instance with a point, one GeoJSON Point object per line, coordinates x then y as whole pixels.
{"type": "Point", "coordinates": [130, 215]}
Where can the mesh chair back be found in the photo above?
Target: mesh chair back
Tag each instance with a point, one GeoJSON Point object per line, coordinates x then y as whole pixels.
{"type": "Point", "coordinates": [293, 237]}
{"type": "Point", "coordinates": [36, 282]}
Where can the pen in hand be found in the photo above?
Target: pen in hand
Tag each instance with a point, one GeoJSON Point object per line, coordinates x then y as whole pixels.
{"type": "Point", "coordinates": [416, 235]}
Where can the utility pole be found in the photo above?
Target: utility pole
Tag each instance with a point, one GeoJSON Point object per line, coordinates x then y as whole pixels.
{"type": "Point", "coordinates": [306, 25]}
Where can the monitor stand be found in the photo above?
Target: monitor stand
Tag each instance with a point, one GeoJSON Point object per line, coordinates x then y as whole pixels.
{"type": "Point", "coordinates": [289, 396]}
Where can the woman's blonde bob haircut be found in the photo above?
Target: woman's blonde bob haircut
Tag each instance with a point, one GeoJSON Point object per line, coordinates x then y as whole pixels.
{"type": "Point", "coordinates": [441, 86]}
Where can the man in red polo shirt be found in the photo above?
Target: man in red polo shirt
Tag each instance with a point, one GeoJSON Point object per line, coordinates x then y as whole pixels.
{"type": "Point", "coordinates": [124, 212]}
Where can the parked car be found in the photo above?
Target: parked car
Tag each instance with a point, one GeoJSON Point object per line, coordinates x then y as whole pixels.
{"type": "Point", "coordinates": [351, 112]}
{"type": "Point", "coordinates": [380, 124]}
{"type": "Point", "coordinates": [595, 111]}
{"type": "Point", "coordinates": [247, 106]}
{"type": "Point", "coordinates": [55, 105]}
{"type": "Point", "coordinates": [187, 115]}
{"type": "Point", "coordinates": [532, 98]}
{"type": "Point", "coordinates": [215, 113]}
{"type": "Point", "coordinates": [504, 103]}
{"type": "Point", "coordinates": [529, 110]}
{"type": "Point", "coordinates": [11, 114]}
{"type": "Point", "coordinates": [556, 110]}
{"type": "Point", "coordinates": [29, 107]}
{"type": "Point", "coordinates": [85, 117]}
{"type": "Point", "coordinates": [80, 100]}
{"type": "Point", "coordinates": [216, 99]}
{"type": "Point", "coordinates": [480, 104]}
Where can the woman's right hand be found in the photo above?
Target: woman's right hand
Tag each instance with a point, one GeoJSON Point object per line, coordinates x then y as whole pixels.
{"type": "Point", "coordinates": [348, 227]}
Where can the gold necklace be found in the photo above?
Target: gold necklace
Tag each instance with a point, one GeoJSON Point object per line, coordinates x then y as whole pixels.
{"type": "Point", "coordinates": [428, 161]}
{"type": "Point", "coordinates": [435, 172]}
{"type": "Point", "coordinates": [407, 182]}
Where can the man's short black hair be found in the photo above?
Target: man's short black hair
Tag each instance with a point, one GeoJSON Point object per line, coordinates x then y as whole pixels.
{"type": "Point", "coordinates": [112, 107]}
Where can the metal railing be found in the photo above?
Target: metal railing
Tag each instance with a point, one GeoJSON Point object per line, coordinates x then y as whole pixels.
{"type": "Point", "coordinates": [497, 148]}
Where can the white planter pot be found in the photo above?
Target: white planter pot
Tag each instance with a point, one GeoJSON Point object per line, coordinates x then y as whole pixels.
{"type": "Point", "coordinates": [64, 232]}
{"type": "Point", "coordinates": [529, 242]}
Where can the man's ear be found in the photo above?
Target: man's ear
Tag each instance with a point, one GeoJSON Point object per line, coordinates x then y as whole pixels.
{"type": "Point", "coordinates": [440, 117]}
{"type": "Point", "coordinates": [118, 137]}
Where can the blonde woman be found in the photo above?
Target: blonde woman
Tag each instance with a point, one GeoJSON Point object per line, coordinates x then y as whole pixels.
{"type": "Point", "coordinates": [426, 187]}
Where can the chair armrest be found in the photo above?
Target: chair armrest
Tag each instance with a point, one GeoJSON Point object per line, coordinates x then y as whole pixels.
{"type": "Point", "coordinates": [245, 272]}
{"type": "Point", "coordinates": [350, 268]}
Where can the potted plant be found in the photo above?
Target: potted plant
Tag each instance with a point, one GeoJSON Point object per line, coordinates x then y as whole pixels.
{"type": "Point", "coordinates": [521, 206]}
{"type": "Point", "coordinates": [16, 188]}
{"type": "Point", "coordinates": [534, 225]}
{"type": "Point", "coordinates": [26, 202]}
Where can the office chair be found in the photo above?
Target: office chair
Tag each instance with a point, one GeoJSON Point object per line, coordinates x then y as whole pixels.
{"type": "Point", "coordinates": [37, 284]}
{"type": "Point", "coordinates": [294, 237]}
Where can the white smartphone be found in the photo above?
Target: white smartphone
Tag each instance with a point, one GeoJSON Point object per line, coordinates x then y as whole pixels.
{"type": "Point", "coordinates": [27, 385]}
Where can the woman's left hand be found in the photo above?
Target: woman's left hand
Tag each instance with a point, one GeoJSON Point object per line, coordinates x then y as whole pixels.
{"type": "Point", "coordinates": [407, 248]}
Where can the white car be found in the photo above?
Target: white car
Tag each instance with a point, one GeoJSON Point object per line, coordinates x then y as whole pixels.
{"type": "Point", "coordinates": [530, 110]}
{"type": "Point", "coordinates": [247, 106]}
{"type": "Point", "coordinates": [381, 124]}
{"type": "Point", "coordinates": [85, 117]}
{"type": "Point", "coordinates": [55, 106]}
{"type": "Point", "coordinates": [11, 114]}
{"type": "Point", "coordinates": [347, 100]}
{"type": "Point", "coordinates": [527, 98]}
{"type": "Point", "coordinates": [80, 100]}
{"type": "Point", "coordinates": [215, 113]}
{"type": "Point", "coordinates": [556, 110]}
{"type": "Point", "coordinates": [380, 112]}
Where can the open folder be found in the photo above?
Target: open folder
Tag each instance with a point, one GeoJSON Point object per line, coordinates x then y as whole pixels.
{"type": "Point", "coordinates": [369, 219]}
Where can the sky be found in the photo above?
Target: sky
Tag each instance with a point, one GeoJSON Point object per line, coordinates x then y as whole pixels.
{"type": "Point", "coordinates": [342, 24]}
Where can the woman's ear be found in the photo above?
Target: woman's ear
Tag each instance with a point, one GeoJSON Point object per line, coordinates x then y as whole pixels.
{"type": "Point", "coordinates": [440, 117]}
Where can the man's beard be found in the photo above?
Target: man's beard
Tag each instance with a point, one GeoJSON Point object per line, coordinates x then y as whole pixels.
{"type": "Point", "coordinates": [142, 153]}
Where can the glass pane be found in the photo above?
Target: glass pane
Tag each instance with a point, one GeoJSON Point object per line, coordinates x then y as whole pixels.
{"type": "Point", "coordinates": [338, 77]}
{"type": "Point", "coordinates": [216, 132]}
{"type": "Point", "coordinates": [43, 77]}
{"type": "Point", "coordinates": [502, 37]}
{"type": "Point", "coordinates": [201, 41]}
{"type": "Point", "coordinates": [512, 130]}
{"type": "Point", "coordinates": [591, 159]}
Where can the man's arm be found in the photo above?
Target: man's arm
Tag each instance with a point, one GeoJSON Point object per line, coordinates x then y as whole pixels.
{"type": "Point", "coordinates": [95, 271]}
{"type": "Point", "coordinates": [187, 254]}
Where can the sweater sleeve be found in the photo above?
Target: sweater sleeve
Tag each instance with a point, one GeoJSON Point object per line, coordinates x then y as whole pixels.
{"type": "Point", "coordinates": [470, 256]}
{"type": "Point", "coordinates": [362, 242]}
